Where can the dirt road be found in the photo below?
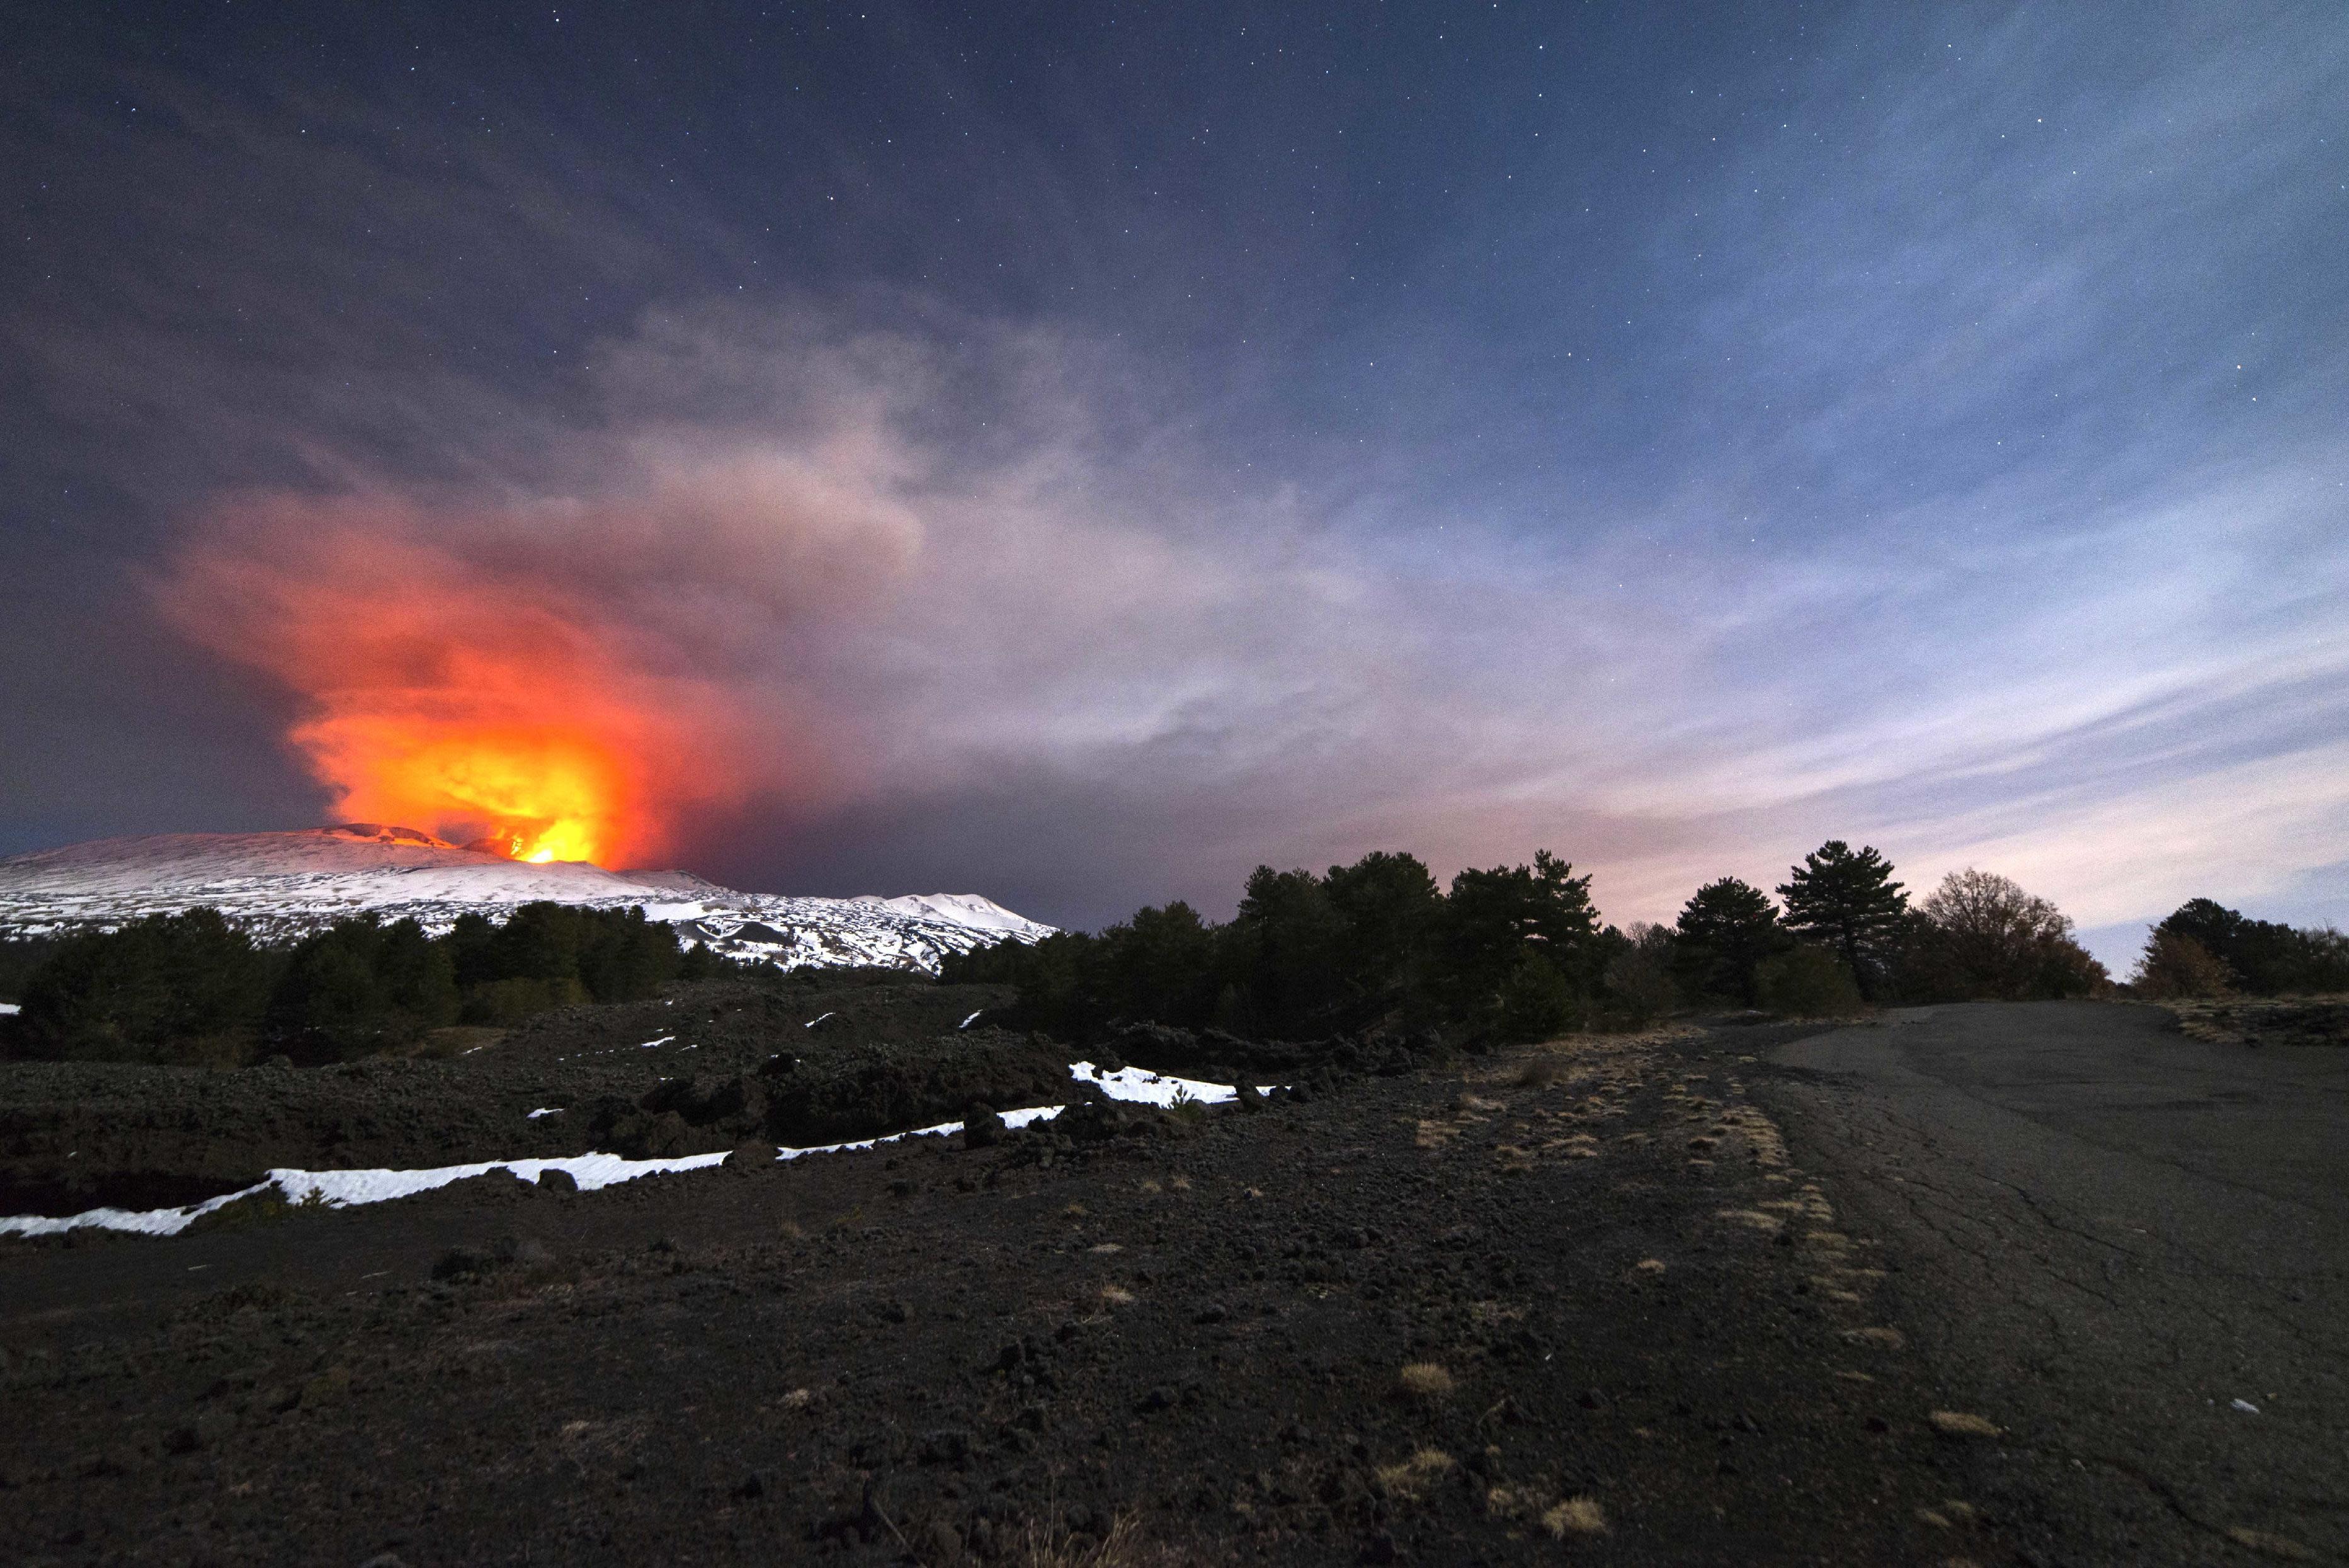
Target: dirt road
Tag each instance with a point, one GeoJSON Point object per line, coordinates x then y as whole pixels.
{"type": "Point", "coordinates": [2127, 1247]}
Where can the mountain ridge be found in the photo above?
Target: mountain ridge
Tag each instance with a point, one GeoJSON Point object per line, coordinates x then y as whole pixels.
{"type": "Point", "coordinates": [281, 886]}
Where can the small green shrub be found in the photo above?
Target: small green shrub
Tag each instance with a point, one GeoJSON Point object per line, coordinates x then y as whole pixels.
{"type": "Point", "coordinates": [1536, 1003]}
{"type": "Point", "coordinates": [1806, 982]}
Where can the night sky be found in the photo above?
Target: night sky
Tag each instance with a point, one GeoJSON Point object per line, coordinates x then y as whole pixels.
{"type": "Point", "coordinates": [1076, 454]}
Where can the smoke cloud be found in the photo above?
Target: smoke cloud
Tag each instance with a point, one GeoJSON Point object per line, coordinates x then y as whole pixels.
{"type": "Point", "coordinates": [570, 679]}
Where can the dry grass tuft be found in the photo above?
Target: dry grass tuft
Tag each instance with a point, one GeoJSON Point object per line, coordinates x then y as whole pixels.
{"type": "Point", "coordinates": [1409, 1479]}
{"type": "Point", "coordinates": [1050, 1545]}
{"type": "Point", "coordinates": [799, 1399]}
{"type": "Point", "coordinates": [1073, 1211]}
{"type": "Point", "coordinates": [1959, 1424]}
{"type": "Point", "coordinates": [1116, 1296]}
{"type": "Point", "coordinates": [1576, 1516]}
{"type": "Point", "coordinates": [1179, 1184]}
{"type": "Point", "coordinates": [2269, 1542]}
{"type": "Point", "coordinates": [1887, 1338]}
{"type": "Point", "coordinates": [1753, 1219]}
{"type": "Point", "coordinates": [1540, 1071]}
{"type": "Point", "coordinates": [1649, 1267]}
{"type": "Point", "coordinates": [1425, 1380]}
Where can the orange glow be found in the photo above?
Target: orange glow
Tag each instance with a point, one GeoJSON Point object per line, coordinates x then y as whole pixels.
{"type": "Point", "coordinates": [472, 703]}
{"type": "Point", "coordinates": [536, 793]}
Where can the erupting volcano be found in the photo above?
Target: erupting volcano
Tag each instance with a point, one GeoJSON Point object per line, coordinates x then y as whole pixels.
{"type": "Point", "coordinates": [482, 704]}
{"type": "Point", "coordinates": [534, 793]}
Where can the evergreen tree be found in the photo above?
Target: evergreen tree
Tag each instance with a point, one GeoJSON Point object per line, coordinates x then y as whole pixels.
{"type": "Point", "coordinates": [1497, 919]}
{"type": "Point", "coordinates": [1849, 903]}
{"type": "Point", "coordinates": [167, 988]}
{"type": "Point", "coordinates": [360, 984]}
{"type": "Point", "coordinates": [1388, 904]}
{"type": "Point", "coordinates": [1726, 930]}
{"type": "Point", "coordinates": [1161, 965]}
{"type": "Point", "coordinates": [1290, 943]}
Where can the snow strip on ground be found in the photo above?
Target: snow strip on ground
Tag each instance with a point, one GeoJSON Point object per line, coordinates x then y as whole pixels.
{"type": "Point", "coordinates": [344, 1189]}
{"type": "Point", "coordinates": [1148, 1087]}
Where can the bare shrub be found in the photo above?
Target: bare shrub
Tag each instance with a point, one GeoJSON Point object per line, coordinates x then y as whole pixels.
{"type": "Point", "coordinates": [1984, 936]}
{"type": "Point", "coordinates": [1808, 982]}
{"type": "Point", "coordinates": [2175, 967]}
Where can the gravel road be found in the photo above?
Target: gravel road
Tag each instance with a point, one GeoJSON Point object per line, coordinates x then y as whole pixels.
{"type": "Point", "coordinates": [2127, 1247]}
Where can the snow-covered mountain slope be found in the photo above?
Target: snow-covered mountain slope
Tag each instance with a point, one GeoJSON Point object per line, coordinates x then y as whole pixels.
{"type": "Point", "coordinates": [279, 886]}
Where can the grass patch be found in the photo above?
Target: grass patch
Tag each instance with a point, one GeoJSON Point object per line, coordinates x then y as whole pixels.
{"type": "Point", "coordinates": [1425, 1380]}
{"type": "Point", "coordinates": [1409, 1480]}
{"type": "Point", "coordinates": [1576, 1516]}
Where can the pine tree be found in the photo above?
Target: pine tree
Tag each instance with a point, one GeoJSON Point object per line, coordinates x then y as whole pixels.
{"type": "Point", "coordinates": [1848, 901]}
{"type": "Point", "coordinates": [1726, 930]}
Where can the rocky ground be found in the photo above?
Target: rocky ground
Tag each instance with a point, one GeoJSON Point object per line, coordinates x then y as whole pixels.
{"type": "Point", "coordinates": [1575, 1303]}
{"type": "Point", "coordinates": [2265, 1020]}
{"type": "Point", "coordinates": [819, 1059]}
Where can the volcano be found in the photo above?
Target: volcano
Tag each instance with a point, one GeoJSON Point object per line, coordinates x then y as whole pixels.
{"type": "Point", "coordinates": [282, 886]}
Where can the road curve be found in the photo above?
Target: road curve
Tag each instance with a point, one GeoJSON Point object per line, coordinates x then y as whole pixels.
{"type": "Point", "coordinates": [2127, 1246]}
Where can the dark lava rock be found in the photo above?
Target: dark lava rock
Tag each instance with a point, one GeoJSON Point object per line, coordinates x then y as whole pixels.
{"type": "Point", "coordinates": [982, 1127]}
{"type": "Point", "coordinates": [752, 1160]}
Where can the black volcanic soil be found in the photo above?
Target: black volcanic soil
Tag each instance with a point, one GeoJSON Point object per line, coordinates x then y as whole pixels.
{"type": "Point", "coordinates": [1586, 1311]}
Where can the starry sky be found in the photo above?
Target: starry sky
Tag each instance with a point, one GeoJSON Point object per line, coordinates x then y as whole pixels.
{"type": "Point", "coordinates": [1113, 445]}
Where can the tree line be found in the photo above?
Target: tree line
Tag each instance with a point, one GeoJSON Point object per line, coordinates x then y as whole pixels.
{"type": "Point", "coordinates": [1515, 953]}
{"type": "Point", "coordinates": [2204, 949]}
{"type": "Point", "coordinates": [192, 989]}
{"type": "Point", "coordinates": [1505, 953]}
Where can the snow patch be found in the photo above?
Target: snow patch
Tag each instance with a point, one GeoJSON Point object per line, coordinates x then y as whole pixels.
{"type": "Point", "coordinates": [347, 1189]}
{"type": "Point", "coordinates": [343, 1189]}
{"type": "Point", "coordinates": [1147, 1087]}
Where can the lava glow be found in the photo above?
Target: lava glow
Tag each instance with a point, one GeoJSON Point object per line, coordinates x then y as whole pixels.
{"type": "Point", "coordinates": [484, 705]}
{"type": "Point", "coordinates": [531, 792]}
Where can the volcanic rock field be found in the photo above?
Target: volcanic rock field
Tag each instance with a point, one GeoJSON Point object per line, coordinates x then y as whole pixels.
{"type": "Point", "coordinates": [1570, 1302]}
